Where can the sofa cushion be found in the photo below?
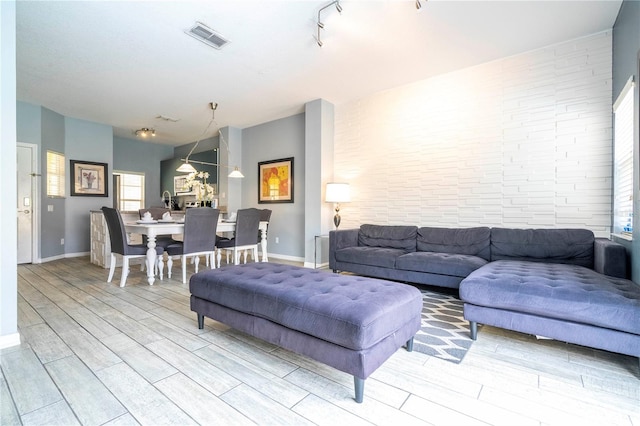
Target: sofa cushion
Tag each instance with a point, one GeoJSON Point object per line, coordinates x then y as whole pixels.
{"type": "Point", "coordinates": [387, 236]}
{"type": "Point", "coordinates": [560, 291]}
{"type": "Point", "coordinates": [472, 241]}
{"type": "Point", "coordinates": [571, 246]}
{"type": "Point", "coordinates": [458, 265]}
{"type": "Point", "coordinates": [372, 256]}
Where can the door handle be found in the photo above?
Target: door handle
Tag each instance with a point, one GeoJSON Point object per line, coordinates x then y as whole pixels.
{"type": "Point", "coordinates": [25, 211]}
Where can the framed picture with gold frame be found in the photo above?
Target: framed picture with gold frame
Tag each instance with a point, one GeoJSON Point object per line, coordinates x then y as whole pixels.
{"type": "Point", "coordinates": [275, 181]}
{"type": "Point", "coordinates": [89, 179]}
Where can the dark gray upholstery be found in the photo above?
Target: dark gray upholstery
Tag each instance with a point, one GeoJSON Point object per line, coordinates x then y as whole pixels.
{"type": "Point", "coordinates": [397, 237]}
{"type": "Point", "coordinates": [573, 246]}
{"type": "Point", "coordinates": [247, 225]}
{"type": "Point", "coordinates": [444, 256]}
{"type": "Point", "coordinates": [119, 245]}
{"type": "Point", "coordinates": [457, 265]}
{"type": "Point", "coordinates": [199, 236]}
{"type": "Point", "coordinates": [350, 323]}
{"type": "Point", "coordinates": [546, 285]}
{"type": "Point", "coordinates": [466, 241]}
{"type": "Point", "coordinates": [559, 283]}
{"type": "Point", "coordinates": [118, 235]}
{"type": "Point", "coordinates": [567, 292]}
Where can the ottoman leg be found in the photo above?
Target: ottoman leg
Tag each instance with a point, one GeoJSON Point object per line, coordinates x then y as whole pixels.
{"type": "Point", "coordinates": [473, 329]}
{"type": "Point", "coordinates": [359, 386]}
{"type": "Point", "coordinates": [410, 345]}
{"type": "Point", "coordinates": [200, 321]}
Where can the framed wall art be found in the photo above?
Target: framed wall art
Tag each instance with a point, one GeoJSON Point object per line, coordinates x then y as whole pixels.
{"type": "Point", "coordinates": [89, 179]}
{"type": "Point", "coordinates": [275, 181]}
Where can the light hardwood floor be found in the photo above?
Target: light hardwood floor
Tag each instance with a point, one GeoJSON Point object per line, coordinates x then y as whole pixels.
{"type": "Point", "coordinates": [93, 353]}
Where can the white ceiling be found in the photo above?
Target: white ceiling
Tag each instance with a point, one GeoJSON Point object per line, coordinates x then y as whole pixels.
{"type": "Point", "coordinates": [124, 63]}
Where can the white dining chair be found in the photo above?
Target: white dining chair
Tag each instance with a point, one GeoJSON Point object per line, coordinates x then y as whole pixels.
{"type": "Point", "coordinates": [120, 246]}
{"type": "Point", "coordinates": [199, 238]}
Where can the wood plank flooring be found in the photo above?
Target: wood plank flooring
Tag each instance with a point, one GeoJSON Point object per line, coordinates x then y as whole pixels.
{"type": "Point", "coordinates": [93, 353]}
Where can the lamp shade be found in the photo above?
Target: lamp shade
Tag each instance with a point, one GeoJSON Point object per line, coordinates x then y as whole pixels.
{"type": "Point", "coordinates": [186, 168]}
{"type": "Point", "coordinates": [236, 173]}
{"type": "Point", "coordinates": [337, 193]}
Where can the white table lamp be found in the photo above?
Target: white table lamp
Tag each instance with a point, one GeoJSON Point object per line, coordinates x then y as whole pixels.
{"type": "Point", "coordinates": [337, 193]}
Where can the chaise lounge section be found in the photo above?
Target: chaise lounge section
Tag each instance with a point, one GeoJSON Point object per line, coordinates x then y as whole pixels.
{"type": "Point", "coordinates": [556, 283]}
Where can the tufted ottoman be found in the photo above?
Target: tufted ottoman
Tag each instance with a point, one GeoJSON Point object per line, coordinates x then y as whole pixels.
{"type": "Point", "coordinates": [350, 323]}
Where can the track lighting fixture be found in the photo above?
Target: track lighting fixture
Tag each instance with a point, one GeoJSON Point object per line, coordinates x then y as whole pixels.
{"type": "Point", "coordinates": [144, 132]}
{"type": "Point", "coordinates": [418, 5]}
{"type": "Point", "coordinates": [320, 24]}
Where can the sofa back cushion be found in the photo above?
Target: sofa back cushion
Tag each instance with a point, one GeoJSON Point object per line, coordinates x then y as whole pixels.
{"type": "Point", "coordinates": [387, 236]}
{"type": "Point", "coordinates": [571, 246]}
{"type": "Point", "coordinates": [468, 241]}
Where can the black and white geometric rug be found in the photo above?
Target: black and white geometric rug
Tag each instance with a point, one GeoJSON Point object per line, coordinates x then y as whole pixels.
{"type": "Point", "coordinates": [444, 332]}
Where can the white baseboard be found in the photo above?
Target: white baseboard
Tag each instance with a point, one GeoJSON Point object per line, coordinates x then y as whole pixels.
{"type": "Point", "coordinates": [284, 257]}
{"type": "Point", "coordinates": [9, 340]}
{"type": "Point", "coordinates": [311, 265]}
{"type": "Point", "coordinates": [62, 256]}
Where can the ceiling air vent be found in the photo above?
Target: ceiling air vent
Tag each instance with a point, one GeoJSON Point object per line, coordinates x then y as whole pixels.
{"type": "Point", "coordinates": [206, 35]}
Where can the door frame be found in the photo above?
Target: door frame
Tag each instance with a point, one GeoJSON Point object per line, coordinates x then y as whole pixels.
{"type": "Point", "coordinates": [35, 200]}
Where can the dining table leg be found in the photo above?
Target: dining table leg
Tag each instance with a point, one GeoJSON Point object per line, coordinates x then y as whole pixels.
{"type": "Point", "coordinates": [151, 258]}
{"type": "Point", "coordinates": [263, 245]}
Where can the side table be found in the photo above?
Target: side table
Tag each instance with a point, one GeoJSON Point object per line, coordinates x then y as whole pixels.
{"type": "Point", "coordinates": [315, 249]}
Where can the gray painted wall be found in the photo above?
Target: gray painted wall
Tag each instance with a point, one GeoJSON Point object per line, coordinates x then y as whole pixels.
{"type": "Point", "coordinates": [142, 157]}
{"type": "Point", "coordinates": [271, 141]}
{"type": "Point", "coordinates": [626, 48]}
{"type": "Point", "coordinates": [52, 227]}
{"type": "Point", "coordinates": [45, 128]}
{"type": "Point", "coordinates": [85, 141]}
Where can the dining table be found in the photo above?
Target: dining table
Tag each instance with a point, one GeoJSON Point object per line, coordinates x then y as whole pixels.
{"type": "Point", "coordinates": [154, 228]}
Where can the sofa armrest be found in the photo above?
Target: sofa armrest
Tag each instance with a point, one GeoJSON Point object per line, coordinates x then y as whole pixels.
{"type": "Point", "coordinates": [610, 258]}
{"type": "Point", "coordinates": [339, 239]}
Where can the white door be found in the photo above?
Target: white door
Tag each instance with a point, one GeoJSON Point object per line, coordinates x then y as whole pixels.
{"type": "Point", "coordinates": [26, 173]}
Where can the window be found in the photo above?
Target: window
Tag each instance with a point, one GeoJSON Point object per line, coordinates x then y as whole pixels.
{"type": "Point", "coordinates": [55, 174]}
{"type": "Point", "coordinates": [623, 161]}
{"type": "Point", "coordinates": [129, 191]}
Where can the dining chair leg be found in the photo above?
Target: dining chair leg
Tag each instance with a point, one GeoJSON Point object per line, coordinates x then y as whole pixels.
{"type": "Point", "coordinates": [197, 262]}
{"type": "Point", "coordinates": [255, 254]}
{"type": "Point", "coordinates": [125, 270]}
{"type": "Point", "coordinates": [184, 269]}
{"type": "Point", "coordinates": [169, 266]}
{"type": "Point", "coordinates": [112, 269]}
{"type": "Point", "coordinates": [219, 256]}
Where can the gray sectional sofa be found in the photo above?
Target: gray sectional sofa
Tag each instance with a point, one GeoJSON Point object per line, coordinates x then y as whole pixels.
{"type": "Point", "coordinates": [563, 284]}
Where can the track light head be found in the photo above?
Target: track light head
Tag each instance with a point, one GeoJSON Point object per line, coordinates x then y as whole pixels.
{"type": "Point", "coordinates": [338, 7]}
{"type": "Point", "coordinates": [418, 5]}
{"type": "Point", "coordinates": [320, 24]}
{"type": "Point", "coordinates": [319, 42]}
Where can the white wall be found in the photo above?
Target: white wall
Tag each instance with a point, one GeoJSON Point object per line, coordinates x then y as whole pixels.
{"type": "Point", "coordinates": [523, 141]}
{"type": "Point", "coordinates": [9, 335]}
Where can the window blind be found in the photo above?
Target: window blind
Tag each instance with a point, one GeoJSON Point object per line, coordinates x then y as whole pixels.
{"type": "Point", "coordinates": [623, 161]}
{"type": "Point", "coordinates": [55, 174]}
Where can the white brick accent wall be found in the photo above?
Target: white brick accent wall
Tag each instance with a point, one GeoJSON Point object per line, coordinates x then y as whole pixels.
{"type": "Point", "coordinates": [523, 142]}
